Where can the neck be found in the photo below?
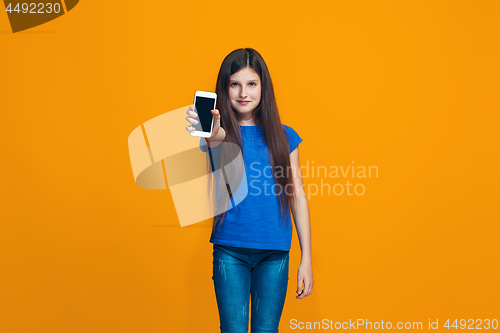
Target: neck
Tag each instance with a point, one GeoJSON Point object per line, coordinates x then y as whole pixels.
{"type": "Point", "coordinates": [248, 122]}
{"type": "Point", "coordinates": [246, 119]}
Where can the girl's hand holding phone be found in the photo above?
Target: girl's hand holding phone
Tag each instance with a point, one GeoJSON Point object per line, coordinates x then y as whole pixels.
{"type": "Point", "coordinates": [192, 119]}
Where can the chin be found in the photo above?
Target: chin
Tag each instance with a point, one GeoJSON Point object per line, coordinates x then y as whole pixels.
{"type": "Point", "coordinates": [244, 111]}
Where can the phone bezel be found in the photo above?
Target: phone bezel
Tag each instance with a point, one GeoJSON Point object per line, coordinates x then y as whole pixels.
{"type": "Point", "coordinates": [206, 94]}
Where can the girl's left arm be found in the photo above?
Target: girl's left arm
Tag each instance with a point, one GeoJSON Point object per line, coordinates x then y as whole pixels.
{"type": "Point", "coordinates": [300, 211]}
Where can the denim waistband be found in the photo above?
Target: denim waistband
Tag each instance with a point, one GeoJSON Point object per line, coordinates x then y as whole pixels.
{"type": "Point", "coordinates": [244, 249]}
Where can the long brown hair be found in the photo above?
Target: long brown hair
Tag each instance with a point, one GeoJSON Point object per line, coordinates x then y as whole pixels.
{"type": "Point", "coordinates": [265, 115]}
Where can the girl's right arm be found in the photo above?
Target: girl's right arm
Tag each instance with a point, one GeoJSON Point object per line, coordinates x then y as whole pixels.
{"type": "Point", "coordinates": [216, 138]}
{"type": "Point", "coordinates": [218, 133]}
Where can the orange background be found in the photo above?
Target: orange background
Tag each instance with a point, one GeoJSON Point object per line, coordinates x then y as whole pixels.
{"type": "Point", "coordinates": [410, 87]}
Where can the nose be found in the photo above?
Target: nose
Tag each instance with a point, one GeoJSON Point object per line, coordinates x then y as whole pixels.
{"type": "Point", "coordinates": [243, 93]}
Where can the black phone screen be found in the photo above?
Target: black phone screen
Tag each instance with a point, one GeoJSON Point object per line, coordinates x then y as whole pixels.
{"type": "Point", "coordinates": [203, 106]}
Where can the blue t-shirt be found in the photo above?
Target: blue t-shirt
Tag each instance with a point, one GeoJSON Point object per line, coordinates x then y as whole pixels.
{"type": "Point", "coordinates": [256, 221]}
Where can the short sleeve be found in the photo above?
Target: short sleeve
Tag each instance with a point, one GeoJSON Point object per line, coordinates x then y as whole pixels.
{"type": "Point", "coordinates": [293, 138]}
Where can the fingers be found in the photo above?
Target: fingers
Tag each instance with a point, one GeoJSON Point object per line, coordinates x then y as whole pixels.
{"type": "Point", "coordinates": [191, 120]}
{"type": "Point", "coordinates": [308, 286]}
{"type": "Point", "coordinates": [216, 115]}
{"type": "Point", "coordinates": [310, 289]}
{"type": "Point", "coordinates": [299, 291]}
{"type": "Point", "coordinates": [306, 292]}
{"type": "Point", "coordinates": [190, 111]}
{"type": "Point", "coordinates": [192, 115]}
{"type": "Point", "coordinates": [301, 295]}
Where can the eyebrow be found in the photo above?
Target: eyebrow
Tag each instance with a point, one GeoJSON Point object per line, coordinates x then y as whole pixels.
{"type": "Point", "coordinates": [256, 80]}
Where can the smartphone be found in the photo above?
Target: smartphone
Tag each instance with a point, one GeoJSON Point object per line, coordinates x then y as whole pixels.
{"type": "Point", "coordinates": [204, 102]}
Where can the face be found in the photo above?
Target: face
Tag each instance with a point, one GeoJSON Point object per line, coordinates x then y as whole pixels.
{"type": "Point", "coordinates": [244, 91]}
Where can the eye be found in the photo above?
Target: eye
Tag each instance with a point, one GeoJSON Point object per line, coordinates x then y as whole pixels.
{"type": "Point", "coordinates": [234, 84]}
{"type": "Point", "coordinates": [252, 84]}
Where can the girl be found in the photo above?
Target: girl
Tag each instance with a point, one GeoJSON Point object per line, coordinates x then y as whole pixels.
{"type": "Point", "coordinates": [252, 240]}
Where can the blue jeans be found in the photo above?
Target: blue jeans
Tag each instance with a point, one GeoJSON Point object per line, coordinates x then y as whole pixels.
{"type": "Point", "coordinates": [239, 273]}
